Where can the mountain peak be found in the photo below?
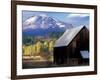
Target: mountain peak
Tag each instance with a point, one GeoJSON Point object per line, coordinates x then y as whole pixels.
{"type": "Point", "coordinates": [43, 15]}
{"type": "Point", "coordinates": [43, 21]}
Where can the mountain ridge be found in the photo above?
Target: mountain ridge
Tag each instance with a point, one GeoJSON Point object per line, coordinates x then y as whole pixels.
{"type": "Point", "coordinates": [41, 25]}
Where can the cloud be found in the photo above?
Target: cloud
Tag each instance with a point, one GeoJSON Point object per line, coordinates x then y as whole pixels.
{"type": "Point", "coordinates": [77, 15]}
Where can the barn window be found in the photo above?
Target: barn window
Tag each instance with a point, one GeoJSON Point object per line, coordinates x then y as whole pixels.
{"type": "Point", "coordinates": [84, 54]}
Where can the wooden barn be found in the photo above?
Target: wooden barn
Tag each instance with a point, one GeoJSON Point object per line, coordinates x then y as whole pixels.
{"type": "Point", "coordinates": [72, 48]}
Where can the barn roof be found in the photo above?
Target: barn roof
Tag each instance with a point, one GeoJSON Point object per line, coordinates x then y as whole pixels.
{"type": "Point", "coordinates": [84, 54]}
{"type": "Point", "coordinates": [68, 36]}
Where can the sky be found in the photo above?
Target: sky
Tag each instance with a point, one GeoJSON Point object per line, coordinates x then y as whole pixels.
{"type": "Point", "coordinates": [76, 19]}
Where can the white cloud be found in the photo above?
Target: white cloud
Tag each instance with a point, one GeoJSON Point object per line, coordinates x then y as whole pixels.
{"type": "Point", "coordinates": [77, 15]}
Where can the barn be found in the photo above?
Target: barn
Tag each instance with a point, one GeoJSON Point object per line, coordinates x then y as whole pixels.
{"type": "Point", "coordinates": [72, 48]}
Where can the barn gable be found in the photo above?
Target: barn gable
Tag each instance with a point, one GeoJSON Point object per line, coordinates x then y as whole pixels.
{"type": "Point", "coordinates": [72, 48]}
{"type": "Point", "coordinates": [68, 36]}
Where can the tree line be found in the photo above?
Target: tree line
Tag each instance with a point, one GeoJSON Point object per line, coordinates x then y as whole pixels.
{"type": "Point", "coordinates": [38, 47]}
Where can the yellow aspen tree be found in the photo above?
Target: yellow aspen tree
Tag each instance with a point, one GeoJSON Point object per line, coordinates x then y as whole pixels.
{"type": "Point", "coordinates": [38, 47]}
{"type": "Point", "coordinates": [51, 44]}
{"type": "Point", "coordinates": [23, 48]}
{"type": "Point", "coordinates": [34, 50]}
{"type": "Point", "coordinates": [27, 50]}
{"type": "Point", "coordinates": [46, 46]}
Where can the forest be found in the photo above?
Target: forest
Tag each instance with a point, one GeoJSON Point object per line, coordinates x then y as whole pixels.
{"type": "Point", "coordinates": [39, 48]}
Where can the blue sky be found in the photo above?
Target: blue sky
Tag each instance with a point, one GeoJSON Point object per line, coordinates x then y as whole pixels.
{"type": "Point", "coordinates": [76, 19]}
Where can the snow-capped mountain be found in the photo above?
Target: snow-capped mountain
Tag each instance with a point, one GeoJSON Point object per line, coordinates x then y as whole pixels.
{"type": "Point", "coordinates": [43, 24]}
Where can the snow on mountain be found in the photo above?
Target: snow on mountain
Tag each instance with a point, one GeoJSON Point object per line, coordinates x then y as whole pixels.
{"type": "Point", "coordinates": [64, 25]}
{"type": "Point", "coordinates": [44, 22]}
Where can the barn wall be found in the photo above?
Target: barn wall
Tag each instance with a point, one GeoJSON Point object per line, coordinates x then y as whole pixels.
{"type": "Point", "coordinates": [60, 55]}
{"type": "Point", "coordinates": [70, 54]}
{"type": "Point", "coordinates": [80, 42]}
